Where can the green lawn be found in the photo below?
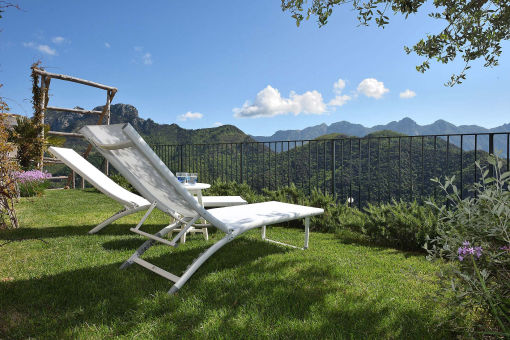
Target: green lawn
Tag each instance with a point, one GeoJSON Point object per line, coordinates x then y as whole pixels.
{"type": "Point", "coordinates": [56, 281]}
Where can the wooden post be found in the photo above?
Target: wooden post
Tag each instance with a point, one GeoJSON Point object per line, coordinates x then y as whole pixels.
{"type": "Point", "coordinates": [108, 102]}
{"type": "Point", "coordinates": [100, 120]}
{"type": "Point", "coordinates": [43, 106]}
{"type": "Point", "coordinates": [41, 121]}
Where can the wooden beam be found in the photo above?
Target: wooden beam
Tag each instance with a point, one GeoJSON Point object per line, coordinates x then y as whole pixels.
{"type": "Point", "coordinates": [65, 134]}
{"type": "Point", "coordinates": [57, 177]}
{"type": "Point", "coordinates": [84, 112]}
{"type": "Point", "coordinates": [75, 80]}
{"type": "Point", "coordinates": [52, 160]}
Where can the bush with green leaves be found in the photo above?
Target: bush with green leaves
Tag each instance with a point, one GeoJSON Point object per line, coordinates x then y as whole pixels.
{"type": "Point", "coordinates": [474, 233]}
{"type": "Point", "coordinates": [120, 180]}
{"type": "Point", "coordinates": [403, 225]}
{"type": "Point", "coordinates": [222, 188]}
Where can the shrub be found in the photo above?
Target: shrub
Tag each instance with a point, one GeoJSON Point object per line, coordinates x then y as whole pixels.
{"type": "Point", "coordinates": [400, 224]}
{"type": "Point", "coordinates": [32, 183]}
{"type": "Point", "coordinates": [120, 180]}
{"type": "Point", "coordinates": [8, 167]}
{"type": "Point", "coordinates": [221, 188]}
{"type": "Point", "coordinates": [26, 135]}
{"type": "Point", "coordinates": [474, 233]}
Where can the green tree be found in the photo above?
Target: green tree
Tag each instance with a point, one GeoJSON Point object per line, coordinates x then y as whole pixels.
{"type": "Point", "coordinates": [473, 29]}
{"type": "Point", "coordinates": [4, 5]}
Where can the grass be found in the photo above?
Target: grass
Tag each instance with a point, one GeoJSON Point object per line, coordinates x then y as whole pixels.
{"type": "Point", "coordinates": [56, 281]}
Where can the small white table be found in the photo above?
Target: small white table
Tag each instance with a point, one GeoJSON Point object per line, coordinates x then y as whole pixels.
{"type": "Point", "coordinates": [196, 189]}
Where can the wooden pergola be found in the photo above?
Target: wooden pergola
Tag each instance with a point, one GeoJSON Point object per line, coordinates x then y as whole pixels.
{"type": "Point", "coordinates": [45, 86]}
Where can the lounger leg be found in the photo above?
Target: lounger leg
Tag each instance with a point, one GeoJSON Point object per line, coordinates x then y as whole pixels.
{"type": "Point", "coordinates": [149, 243]}
{"type": "Point", "coordinates": [199, 261]}
{"type": "Point", "coordinates": [153, 205]}
{"type": "Point", "coordinates": [115, 217]}
{"type": "Point", "coordinates": [307, 236]}
{"type": "Point", "coordinates": [205, 231]}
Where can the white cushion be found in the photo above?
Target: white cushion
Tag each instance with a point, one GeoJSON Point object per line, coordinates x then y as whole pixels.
{"type": "Point", "coordinates": [260, 214]}
{"type": "Point", "coordinates": [98, 179]}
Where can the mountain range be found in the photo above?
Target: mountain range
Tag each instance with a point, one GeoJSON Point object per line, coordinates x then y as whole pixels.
{"type": "Point", "coordinates": [153, 132]}
{"type": "Point", "coordinates": [156, 133]}
{"type": "Point", "coordinates": [405, 126]}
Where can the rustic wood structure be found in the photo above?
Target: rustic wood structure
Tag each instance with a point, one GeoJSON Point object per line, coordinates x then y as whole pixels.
{"type": "Point", "coordinates": [45, 86]}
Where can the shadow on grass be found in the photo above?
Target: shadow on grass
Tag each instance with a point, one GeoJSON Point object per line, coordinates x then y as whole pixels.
{"type": "Point", "coordinates": [248, 289]}
{"type": "Point", "coordinates": [74, 230]}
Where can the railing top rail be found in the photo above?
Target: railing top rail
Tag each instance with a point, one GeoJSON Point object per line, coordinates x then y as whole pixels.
{"type": "Point", "coordinates": [345, 138]}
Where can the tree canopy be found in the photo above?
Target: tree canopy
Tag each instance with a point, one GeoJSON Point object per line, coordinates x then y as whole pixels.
{"type": "Point", "coordinates": [472, 29]}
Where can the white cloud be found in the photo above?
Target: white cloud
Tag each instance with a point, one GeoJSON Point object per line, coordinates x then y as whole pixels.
{"type": "Point", "coordinates": [371, 87]}
{"type": "Point", "coordinates": [58, 40]}
{"type": "Point", "coordinates": [147, 58]}
{"type": "Point", "coordinates": [338, 86]}
{"type": "Point", "coordinates": [107, 45]}
{"type": "Point", "coordinates": [41, 48]}
{"type": "Point", "coordinates": [144, 57]}
{"type": "Point", "coordinates": [340, 99]}
{"type": "Point", "coordinates": [407, 94]}
{"type": "Point", "coordinates": [190, 115]}
{"type": "Point", "coordinates": [269, 103]}
{"type": "Point", "coordinates": [217, 124]}
{"type": "Point", "coordinates": [46, 49]}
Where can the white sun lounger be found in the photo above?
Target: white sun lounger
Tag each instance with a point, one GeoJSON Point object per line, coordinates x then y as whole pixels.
{"type": "Point", "coordinates": [123, 147]}
{"type": "Point", "coordinates": [132, 203]}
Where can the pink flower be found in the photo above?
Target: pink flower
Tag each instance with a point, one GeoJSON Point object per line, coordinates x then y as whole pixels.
{"type": "Point", "coordinates": [31, 176]}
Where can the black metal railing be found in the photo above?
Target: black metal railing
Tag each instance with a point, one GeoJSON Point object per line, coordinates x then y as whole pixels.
{"type": "Point", "coordinates": [360, 170]}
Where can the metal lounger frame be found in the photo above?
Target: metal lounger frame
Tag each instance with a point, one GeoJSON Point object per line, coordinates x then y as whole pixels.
{"type": "Point", "coordinates": [134, 141]}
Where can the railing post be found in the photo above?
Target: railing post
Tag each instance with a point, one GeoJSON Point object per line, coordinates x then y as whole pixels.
{"type": "Point", "coordinates": [491, 152]}
{"type": "Point", "coordinates": [241, 166]}
{"type": "Point", "coordinates": [180, 158]}
{"type": "Point", "coordinates": [333, 162]}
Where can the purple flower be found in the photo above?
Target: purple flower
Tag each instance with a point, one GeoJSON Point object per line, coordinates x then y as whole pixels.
{"type": "Point", "coordinates": [505, 248]}
{"type": "Point", "coordinates": [466, 250]}
{"type": "Point", "coordinates": [478, 252]}
{"type": "Point", "coordinates": [31, 176]}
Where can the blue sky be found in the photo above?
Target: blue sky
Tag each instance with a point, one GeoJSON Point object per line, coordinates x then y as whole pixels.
{"type": "Point", "coordinates": [202, 63]}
